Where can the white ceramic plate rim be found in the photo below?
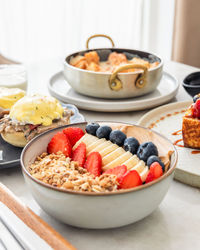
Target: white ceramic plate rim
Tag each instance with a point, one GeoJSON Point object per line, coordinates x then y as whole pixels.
{"type": "Point", "coordinates": [115, 106]}
{"type": "Point", "coordinates": [144, 120]}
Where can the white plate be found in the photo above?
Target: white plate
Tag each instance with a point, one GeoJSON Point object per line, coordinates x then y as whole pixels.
{"type": "Point", "coordinates": [188, 167]}
{"type": "Point", "coordinates": [166, 90]}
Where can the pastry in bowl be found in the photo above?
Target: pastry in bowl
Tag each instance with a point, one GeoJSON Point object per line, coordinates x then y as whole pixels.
{"type": "Point", "coordinates": [98, 172]}
{"type": "Point", "coordinates": [30, 116]}
{"type": "Point", "coordinates": [191, 125]}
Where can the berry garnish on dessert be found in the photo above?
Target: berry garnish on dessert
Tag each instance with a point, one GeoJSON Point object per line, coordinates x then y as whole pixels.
{"type": "Point", "coordinates": [103, 132]}
{"type": "Point", "coordinates": [131, 144]}
{"type": "Point", "coordinates": [117, 137]}
{"type": "Point", "coordinates": [191, 125]}
{"type": "Point", "coordinates": [107, 161]}
{"type": "Point", "coordinates": [147, 149]}
{"type": "Point", "coordinates": [73, 134]}
{"type": "Point", "coordinates": [60, 143]}
{"type": "Point", "coordinates": [196, 97]}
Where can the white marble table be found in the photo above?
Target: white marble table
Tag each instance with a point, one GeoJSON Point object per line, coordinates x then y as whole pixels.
{"type": "Point", "coordinates": [174, 225]}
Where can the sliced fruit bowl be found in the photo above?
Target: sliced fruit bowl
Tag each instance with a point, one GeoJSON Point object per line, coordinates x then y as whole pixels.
{"type": "Point", "coordinates": [140, 162]}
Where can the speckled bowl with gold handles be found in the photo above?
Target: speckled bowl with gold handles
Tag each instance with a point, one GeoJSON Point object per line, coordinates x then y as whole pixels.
{"type": "Point", "coordinates": [114, 85]}
{"type": "Point", "coordinates": [101, 210]}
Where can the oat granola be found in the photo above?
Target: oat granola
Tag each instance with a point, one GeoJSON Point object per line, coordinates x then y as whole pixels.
{"type": "Point", "coordinates": [61, 172]}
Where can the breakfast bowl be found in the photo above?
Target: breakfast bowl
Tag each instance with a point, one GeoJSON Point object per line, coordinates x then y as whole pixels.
{"type": "Point", "coordinates": [100, 210]}
{"type": "Point", "coordinates": [125, 80]}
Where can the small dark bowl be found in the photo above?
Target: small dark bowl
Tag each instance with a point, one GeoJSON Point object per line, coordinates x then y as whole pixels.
{"type": "Point", "coordinates": [192, 83]}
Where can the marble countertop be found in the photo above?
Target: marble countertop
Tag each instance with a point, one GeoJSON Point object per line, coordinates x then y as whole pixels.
{"type": "Point", "coordinates": [173, 225]}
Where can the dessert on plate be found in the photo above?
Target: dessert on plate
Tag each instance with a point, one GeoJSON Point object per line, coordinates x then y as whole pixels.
{"type": "Point", "coordinates": [191, 125]}
{"type": "Point", "coordinates": [30, 116]}
{"type": "Point", "coordinates": [98, 159]}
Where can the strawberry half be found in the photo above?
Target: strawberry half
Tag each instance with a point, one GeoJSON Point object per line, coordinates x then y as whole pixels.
{"type": "Point", "coordinates": [150, 177]}
{"type": "Point", "coordinates": [155, 172]}
{"type": "Point", "coordinates": [130, 179]}
{"type": "Point", "coordinates": [196, 109]}
{"type": "Point", "coordinates": [156, 169]}
{"type": "Point", "coordinates": [60, 142]}
{"type": "Point", "coordinates": [93, 163]}
{"type": "Point", "coordinates": [74, 134]}
{"type": "Point", "coordinates": [79, 154]}
{"type": "Point", "coordinates": [119, 171]}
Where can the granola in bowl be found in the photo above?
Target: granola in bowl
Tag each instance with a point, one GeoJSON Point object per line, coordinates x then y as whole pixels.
{"type": "Point", "coordinates": [59, 171]}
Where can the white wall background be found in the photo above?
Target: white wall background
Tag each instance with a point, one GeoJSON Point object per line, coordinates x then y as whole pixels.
{"type": "Point", "coordinates": [33, 30]}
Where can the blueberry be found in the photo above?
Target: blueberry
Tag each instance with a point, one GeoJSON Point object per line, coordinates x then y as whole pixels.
{"type": "Point", "coordinates": [147, 149]}
{"type": "Point", "coordinates": [117, 137]}
{"type": "Point", "coordinates": [131, 144]}
{"type": "Point", "coordinates": [92, 128]}
{"type": "Point", "coordinates": [196, 97]}
{"type": "Point", "coordinates": [103, 132]}
{"type": "Point", "coordinates": [154, 158]}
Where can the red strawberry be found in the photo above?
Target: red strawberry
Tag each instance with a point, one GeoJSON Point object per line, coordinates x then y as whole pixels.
{"type": "Point", "coordinates": [196, 109]}
{"type": "Point", "coordinates": [154, 172]}
{"type": "Point", "coordinates": [74, 134]}
{"type": "Point", "coordinates": [130, 179]}
{"type": "Point", "coordinates": [150, 177]}
{"type": "Point", "coordinates": [119, 171]}
{"type": "Point", "coordinates": [93, 163]}
{"type": "Point", "coordinates": [60, 142]}
{"type": "Point", "coordinates": [79, 154]}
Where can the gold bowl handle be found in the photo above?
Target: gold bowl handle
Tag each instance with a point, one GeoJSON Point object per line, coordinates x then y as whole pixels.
{"type": "Point", "coordinates": [116, 84]}
{"type": "Point", "coordinates": [99, 35]}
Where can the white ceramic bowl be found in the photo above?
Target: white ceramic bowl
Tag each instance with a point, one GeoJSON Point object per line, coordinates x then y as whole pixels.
{"type": "Point", "coordinates": [98, 210]}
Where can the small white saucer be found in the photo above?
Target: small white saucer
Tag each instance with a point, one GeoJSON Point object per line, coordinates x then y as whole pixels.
{"type": "Point", "coordinates": [166, 90]}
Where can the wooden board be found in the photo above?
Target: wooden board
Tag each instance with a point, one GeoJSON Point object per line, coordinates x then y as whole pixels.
{"type": "Point", "coordinates": [166, 120]}
{"type": "Point", "coordinates": [40, 227]}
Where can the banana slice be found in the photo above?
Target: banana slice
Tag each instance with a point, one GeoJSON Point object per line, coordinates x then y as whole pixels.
{"type": "Point", "coordinates": [101, 146]}
{"type": "Point", "coordinates": [95, 144]}
{"type": "Point", "coordinates": [132, 162]}
{"type": "Point", "coordinates": [87, 139]}
{"type": "Point", "coordinates": [112, 156]}
{"type": "Point", "coordinates": [118, 161]}
{"type": "Point", "coordinates": [108, 150]}
{"type": "Point", "coordinates": [144, 174]}
{"type": "Point", "coordinates": [139, 167]}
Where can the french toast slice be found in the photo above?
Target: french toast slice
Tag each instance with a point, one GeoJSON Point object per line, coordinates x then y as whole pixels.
{"type": "Point", "coordinates": [191, 131]}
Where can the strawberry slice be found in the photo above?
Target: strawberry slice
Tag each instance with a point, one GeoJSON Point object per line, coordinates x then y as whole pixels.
{"type": "Point", "coordinates": [74, 134]}
{"type": "Point", "coordinates": [119, 171]}
{"type": "Point", "coordinates": [150, 177]}
{"type": "Point", "coordinates": [130, 179]}
{"type": "Point", "coordinates": [79, 154]}
{"type": "Point", "coordinates": [155, 172]}
{"type": "Point", "coordinates": [93, 163]}
{"type": "Point", "coordinates": [156, 169]}
{"type": "Point", "coordinates": [60, 142]}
